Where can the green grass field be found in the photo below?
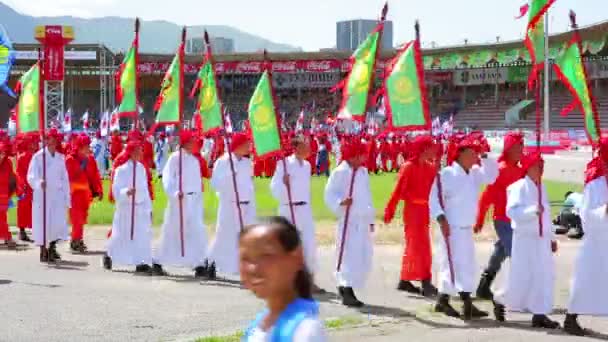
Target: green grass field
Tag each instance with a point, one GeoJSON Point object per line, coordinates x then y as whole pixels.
{"type": "Point", "coordinates": [382, 185]}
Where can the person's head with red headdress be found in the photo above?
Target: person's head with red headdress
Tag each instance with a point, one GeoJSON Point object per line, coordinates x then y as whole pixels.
{"type": "Point", "coordinates": [98, 134]}
{"type": "Point", "coordinates": [240, 144]}
{"type": "Point", "coordinates": [81, 145]}
{"type": "Point", "coordinates": [423, 148]}
{"type": "Point", "coordinates": [354, 152]}
{"type": "Point", "coordinates": [513, 148]}
{"type": "Point", "coordinates": [53, 140]}
{"type": "Point", "coordinates": [532, 165]}
{"type": "Point", "coordinates": [465, 151]}
{"type": "Point", "coordinates": [598, 166]}
{"type": "Point", "coordinates": [187, 140]}
{"type": "Point", "coordinates": [134, 150]}
{"type": "Point", "coordinates": [301, 146]}
{"type": "Point", "coordinates": [135, 136]}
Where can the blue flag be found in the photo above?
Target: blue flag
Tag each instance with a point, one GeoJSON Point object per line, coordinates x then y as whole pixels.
{"type": "Point", "coordinates": [7, 58]}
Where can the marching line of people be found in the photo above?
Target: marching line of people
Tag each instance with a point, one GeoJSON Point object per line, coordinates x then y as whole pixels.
{"type": "Point", "coordinates": [65, 183]}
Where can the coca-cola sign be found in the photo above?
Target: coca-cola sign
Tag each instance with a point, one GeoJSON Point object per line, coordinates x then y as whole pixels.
{"type": "Point", "coordinates": [249, 67]}
{"type": "Point", "coordinates": [284, 66]}
{"type": "Point", "coordinates": [319, 66]}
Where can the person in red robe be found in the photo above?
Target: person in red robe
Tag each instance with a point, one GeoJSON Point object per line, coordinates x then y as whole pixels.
{"type": "Point", "coordinates": [372, 157]}
{"type": "Point", "coordinates": [413, 187]}
{"type": "Point", "coordinates": [218, 149]}
{"type": "Point", "coordinates": [270, 165]}
{"type": "Point", "coordinates": [495, 195]}
{"type": "Point", "coordinates": [385, 153]}
{"type": "Point", "coordinates": [149, 153]}
{"type": "Point", "coordinates": [82, 193]}
{"type": "Point", "coordinates": [26, 146]}
{"type": "Point", "coordinates": [115, 145]}
{"type": "Point", "coordinates": [8, 185]}
{"type": "Point", "coordinates": [314, 150]}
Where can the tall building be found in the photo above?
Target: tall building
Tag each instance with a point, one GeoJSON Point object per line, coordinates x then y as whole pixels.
{"type": "Point", "coordinates": [350, 33]}
{"type": "Point", "coordinates": [219, 45]}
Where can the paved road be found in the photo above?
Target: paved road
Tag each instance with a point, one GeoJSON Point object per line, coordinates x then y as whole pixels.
{"type": "Point", "coordinates": [77, 300]}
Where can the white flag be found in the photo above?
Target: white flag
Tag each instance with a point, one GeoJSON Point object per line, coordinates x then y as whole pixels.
{"type": "Point", "coordinates": [85, 120]}
{"type": "Point", "coordinates": [67, 121]}
{"type": "Point", "coordinates": [114, 121]}
{"type": "Point", "coordinates": [300, 122]}
{"type": "Point", "coordinates": [104, 124]}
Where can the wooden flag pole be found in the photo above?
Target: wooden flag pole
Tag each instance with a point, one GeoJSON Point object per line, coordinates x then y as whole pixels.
{"type": "Point", "coordinates": [44, 146]}
{"type": "Point", "coordinates": [181, 150]}
{"type": "Point", "coordinates": [134, 162]}
{"type": "Point", "coordinates": [346, 217]}
{"type": "Point", "coordinates": [232, 171]}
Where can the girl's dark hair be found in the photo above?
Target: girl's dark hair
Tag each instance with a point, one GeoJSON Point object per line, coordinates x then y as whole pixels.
{"type": "Point", "coordinates": [289, 237]}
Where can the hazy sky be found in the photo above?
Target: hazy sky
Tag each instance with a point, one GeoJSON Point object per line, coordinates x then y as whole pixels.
{"type": "Point", "coordinates": [310, 24]}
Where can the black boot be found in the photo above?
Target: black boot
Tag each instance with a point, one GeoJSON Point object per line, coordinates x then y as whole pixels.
{"type": "Point", "coordinates": [23, 236]}
{"type": "Point", "coordinates": [443, 305]}
{"type": "Point", "coordinates": [107, 262]}
{"type": "Point", "coordinates": [201, 271]}
{"type": "Point", "coordinates": [211, 272]}
{"type": "Point", "coordinates": [428, 290]}
{"type": "Point", "coordinates": [407, 286]}
{"type": "Point", "coordinates": [44, 254]}
{"type": "Point", "coordinates": [469, 311]}
{"type": "Point", "coordinates": [53, 254]}
{"type": "Point", "coordinates": [572, 327]}
{"type": "Point", "coordinates": [483, 290]}
{"type": "Point", "coordinates": [143, 269]}
{"type": "Point", "coordinates": [499, 312]}
{"type": "Point", "coordinates": [157, 270]}
{"type": "Point", "coordinates": [349, 298]}
{"type": "Point", "coordinates": [542, 321]}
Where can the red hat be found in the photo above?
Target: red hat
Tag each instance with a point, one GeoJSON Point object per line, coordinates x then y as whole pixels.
{"type": "Point", "coordinates": [98, 134]}
{"type": "Point", "coordinates": [460, 143]}
{"type": "Point", "coordinates": [510, 140]}
{"type": "Point", "coordinates": [163, 135]}
{"type": "Point", "coordinates": [186, 136]}
{"type": "Point", "coordinates": [528, 160]}
{"type": "Point", "coordinates": [54, 134]}
{"type": "Point", "coordinates": [6, 147]}
{"type": "Point", "coordinates": [238, 140]}
{"type": "Point", "coordinates": [135, 136]}
{"type": "Point", "coordinates": [131, 146]}
{"type": "Point", "coordinates": [353, 149]}
{"type": "Point", "coordinates": [420, 144]}
{"type": "Point", "coordinates": [81, 141]}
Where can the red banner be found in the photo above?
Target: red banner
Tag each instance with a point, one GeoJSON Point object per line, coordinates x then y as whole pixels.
{"type": "Point", "coordinates": [53, 38]}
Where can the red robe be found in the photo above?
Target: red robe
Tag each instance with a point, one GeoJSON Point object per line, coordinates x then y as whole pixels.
{"type": "Point", "coordinates": [80, 192]}
{"type": "Point", "coordinates": [385, 155]}
{"type": "Point", "coordinates": [24, 191]}
{"type": "Point", "coordinates": [496, 194]}
{"type": "Point", "coordinates": [8, 182]}
{"type": "Point", "coordinates": [413, 187]}
{"type": "Point", "coordinates": [115, 146]}
{"type": "Point", "coordinates": [149, 155]}
{"type": "Point", "coordinates": [312, 159]}
{"type": "Point", "coordinates": [372, 165]}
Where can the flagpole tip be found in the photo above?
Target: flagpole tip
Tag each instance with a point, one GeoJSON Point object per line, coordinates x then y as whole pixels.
{"type": "Point", "coordinates": [417, 29]}
{"type": "Point", "coordinates": [137, 23]}
{"type": "Point", "coordinates": [384, 11]}
{"type": "Point", "coordinates": [572, 15]}
{"type": "Point", "coordinates": [184, 34]}
{"type": "Point", "coordinates": [206, 36]}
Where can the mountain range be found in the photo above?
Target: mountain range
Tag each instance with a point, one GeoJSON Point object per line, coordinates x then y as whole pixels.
{"type": "Point", "coordinates": [116, 33]}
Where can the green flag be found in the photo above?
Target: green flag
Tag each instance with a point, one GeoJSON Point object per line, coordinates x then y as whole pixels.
{"type": "Point", "coordinates": [405, 92]}
{"type": "Point", "coordinates": [29, 107]}
{"type": "Point", "coordinates": [127, 83]}
{"type": "Point", "coordinates": [535, 36]}
{"type": "Point", "coordinates": [169, 102]}
{"type": "Point", "coordinates": [263, 119]}
{"type": "Point", "coordinates": [571, 71]}
{"type": "Point", "coordinates": [537, 9]}
{"type": "Point", "coordinates": [209, 107]}
{"type": "Point", "coordinates": [355, 95]}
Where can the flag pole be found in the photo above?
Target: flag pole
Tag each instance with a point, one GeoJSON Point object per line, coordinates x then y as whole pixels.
{"type": "Point", "coordinates": [181, 109]}
{"type": "Point", "coordinates": [547, 79]}
{"type": "Point", "coordinates": [42, 82]}
{"type": "Point", "coordinates": [233, 172]}
{"type": "Point", "coordinates": [285, 173]}
{"type": "Point", "coordinates": [136, 105]}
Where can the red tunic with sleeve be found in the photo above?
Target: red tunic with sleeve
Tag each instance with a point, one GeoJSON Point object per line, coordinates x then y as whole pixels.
{"type": "Point", "coordinates": [7, 176]}
{"type": "Point", "coordinates": [115, 146]}
{"type": "Point", "coordinates": [496, 194]}
{"type": "Point", "coordinates": [24, 191]}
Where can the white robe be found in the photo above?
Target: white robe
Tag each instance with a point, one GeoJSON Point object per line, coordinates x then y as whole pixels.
{"type": "Point", "coordinates": [590, 281]}
{"type": "Point", "coordinates": [57, 197]}
{"type": "Point", "coordinates": [299, 175]}
{"type": "Point", "coordinates": [99, 147]}
{"type": "Point", "coordinates": [162, 154]}
{"type": "Point", "coordinates": [195, 233]}
{"type": "Point", "coordinates": [531, 279]}
{"type": "Point", "coordinates": [224, 247]}
{"type": "Point", "coordinates": [120, 247]}
{"type": "Point", "coordinates": [358, 245]}
{"type": "Point", "coordinates": [460, 192]}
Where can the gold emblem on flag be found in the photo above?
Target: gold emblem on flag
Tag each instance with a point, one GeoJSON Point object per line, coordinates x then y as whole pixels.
{"type": "Point", "coordinates": [361, 74]}
{"type": "Point", "coordinates": [207, 99]}
{"type": "Point", "coordinates": [404, 91]}
{"type": "Point", "coordinates": [263, 118]}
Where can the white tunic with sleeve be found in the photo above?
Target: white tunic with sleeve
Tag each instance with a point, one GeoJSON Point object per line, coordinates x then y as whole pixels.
{"type": "Point", "coordinates": [460, 192]}
{"type": "Point", "coordinates": [531, 279]}
{"type": "Point", "coordinates": [169, 251]}
{"type": "Point", "coordinates": [358, 242]}
{"type": "Point", "coordinates": [121, 248]}
{"type": "Point", "coordinates": [224, 247]}
{"type": "Point", "coordinates": [299, 175]}
{"type": "Point", "coordinates": [57, 197]}
{"type": "Point", "coordinates": [588, 293]}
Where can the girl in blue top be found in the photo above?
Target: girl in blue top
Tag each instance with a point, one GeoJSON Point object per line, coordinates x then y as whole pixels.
{"type": "Point", "coordinates": [272, 267]}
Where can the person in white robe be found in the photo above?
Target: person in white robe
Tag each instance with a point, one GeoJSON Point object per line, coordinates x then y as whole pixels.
{"type": "Point", "coordinates": [99, 148]}
{"type": "Point", "coordinates": [162, 153]}
{"type": "Point", "coordinates": [49, 226]}
{"type": "Point", "coordinates": [298, 179]}
{"type": "Point", "coordinates": [131, 244]}
{"type": "Point", "coordinates": [453, 203]}
{"type": "Point", "coordinates": [223, 250]}
{"type": "Point", "coordinates": [354, 241]}
{"type": "Point", "coordinates": [531, 280]}
{"type": "Point", "coordinates": [193, 240]}
{"type": "Point", "coordinates": [590, 279]}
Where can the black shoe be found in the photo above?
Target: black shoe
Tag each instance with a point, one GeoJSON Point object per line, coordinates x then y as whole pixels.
{"type": "Point", "coordinates": [340, 291]}
{"type": "Point", "coordinates": [469, 311]}
{"type": "Point", "coordinates": [572, 327]}
{"type": "Point", "coordinates": [542, 321]}
{"type": "Point", "coordinates": [23, 236]}
{"type": "Point", "coordinates": [407, 286]}
{"type": "Point", "coordinates": [157, 270]}
{"type": "Point", "coordinates": [212, 272]}
{"type": "Point", "coordinates": [575, 233]}
{"type": "Point", "coordinates": [107, 262]}
{"type": "Point", "coordinates": [44, 254]}
{"type": "Point", "coordinates": [53, 254]}
{"type": "Point", "coordinates": [200, 272]}
{"type": "Point", "coordinates": [143, 268]}
{"type": "Point", "coordinates": [483, 290]}
{"type": "Point", "coordinates": [78, 246]}
{"type": "Point", "coordinates": [428, 290]}
{"type": "Point", "coordinates": [499, 312]}
{"type": "Point", "coordinates": [349, 299]}
{"type": "Point", "coordinates": [443, 305]}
